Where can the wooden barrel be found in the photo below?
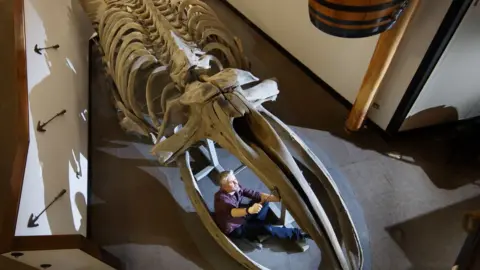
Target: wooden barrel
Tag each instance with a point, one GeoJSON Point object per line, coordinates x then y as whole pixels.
{"type": "Point", "coordinates": [355, 18]}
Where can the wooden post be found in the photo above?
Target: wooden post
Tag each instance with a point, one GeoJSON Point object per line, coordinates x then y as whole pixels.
{"type": "Point", "coordinates": [382, 58]}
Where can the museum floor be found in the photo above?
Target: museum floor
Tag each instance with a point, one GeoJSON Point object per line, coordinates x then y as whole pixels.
{"type": "Point", "coordinates": [412, 205]}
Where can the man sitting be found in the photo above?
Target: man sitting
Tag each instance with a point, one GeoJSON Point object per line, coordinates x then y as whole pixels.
{"type": "Point", "coordinates": [248, 222]}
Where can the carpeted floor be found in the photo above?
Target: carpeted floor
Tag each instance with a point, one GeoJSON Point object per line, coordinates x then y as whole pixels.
{"type": "Point", "coordinates": [412, 191]}
{"type": "Point", "coordinates": [412, 200]}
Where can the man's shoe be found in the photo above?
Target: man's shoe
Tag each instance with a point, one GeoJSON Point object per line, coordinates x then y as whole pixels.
{"type": "Point", "coordinates": [302, 244]}
{"type": "Point", "coordinates": [305, 235]}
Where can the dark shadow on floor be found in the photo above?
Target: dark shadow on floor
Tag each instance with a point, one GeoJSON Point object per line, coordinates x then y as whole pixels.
{"type": "Point", "coordinates": [432, 241]}
{"type": "Point", "coordinates": [304, 103]}
{"type": "Point", "coordinates": [449, 156]}
{"type": "Point", "coordinates": [431, 116]}
{"type": "Point", "coordinates": [134, 207]}
{"type": "Point", "coordinates": [138, 209]}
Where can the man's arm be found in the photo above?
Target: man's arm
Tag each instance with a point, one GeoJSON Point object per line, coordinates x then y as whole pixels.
{"type": "Point", "coordinates": [224, 206]}
{"type": "Point", "coordinates": [250, 193]}
{"type": "Point", "coordinates": [238, 212]}
{"type": "Point", "coordinates": [268, 198]}
{"type": "Point", "coordinates": [241, 212]}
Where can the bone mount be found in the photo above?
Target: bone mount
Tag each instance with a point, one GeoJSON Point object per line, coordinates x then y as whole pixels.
{"type": "Point", "coordinates": [180, 77]}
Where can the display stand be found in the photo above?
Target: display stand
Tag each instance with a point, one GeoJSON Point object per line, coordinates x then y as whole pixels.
{"type": "Point", "coordinates": [210, 154]}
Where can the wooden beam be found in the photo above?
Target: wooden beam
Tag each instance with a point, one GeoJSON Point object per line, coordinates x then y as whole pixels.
{"type": "Point", "coordinates": [21, 130]}
{"type": "Point", "coordinates": [382, 58]}
{"type": "Point", "coordinates": [62, 242]}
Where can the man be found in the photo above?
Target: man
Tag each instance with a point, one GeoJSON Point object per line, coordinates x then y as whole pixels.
{"type": "Point", "coordinates": [248, 222]}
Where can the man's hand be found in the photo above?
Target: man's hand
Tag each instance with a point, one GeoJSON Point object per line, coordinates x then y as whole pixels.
{"type": "Point", "coordinates": [268, 198]}
{"type": "Point", "coordinates": [254, 209]}
{"type": "Point", "coordinates": [241, 212]}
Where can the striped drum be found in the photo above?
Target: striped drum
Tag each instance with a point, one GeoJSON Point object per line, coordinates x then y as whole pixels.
{"type": "Point", "coordinates": [355, 18]}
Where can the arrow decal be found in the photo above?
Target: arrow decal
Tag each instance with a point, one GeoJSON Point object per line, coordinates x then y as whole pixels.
{"type": "Point", "coordinates": [40, 126]}
{"type": "Point", "coordinates": [32, 219]}
{"type": "Point", "coordinates": [39, 50]}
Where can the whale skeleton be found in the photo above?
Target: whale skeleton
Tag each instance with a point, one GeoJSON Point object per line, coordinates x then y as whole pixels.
{"type": "Point", "coordinates": [180, 77]}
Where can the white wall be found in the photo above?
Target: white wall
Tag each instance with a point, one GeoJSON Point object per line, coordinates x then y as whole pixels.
{"type": "Point", "coordinates": [412, 49]}
{"type": "Point", "coordinates": [453, 90]}
{"type": "Point", "coordinates": [63, 259]}
{"type": "Point", "coordinates": [56, 80]}
{"type": "Point", "coordinates": [340, 62]}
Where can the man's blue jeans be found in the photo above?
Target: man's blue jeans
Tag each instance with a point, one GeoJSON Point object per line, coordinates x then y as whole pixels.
{"type": "Point", "coordinates": [255, 226]}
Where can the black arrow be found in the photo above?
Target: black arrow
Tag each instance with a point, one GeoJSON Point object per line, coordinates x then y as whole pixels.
{"type": "Point", "coordinates": [38, 50]}
{"type": "Point", "coordinates": [32, 219]}
{"type": "Point", "coordinates": [40, 125]}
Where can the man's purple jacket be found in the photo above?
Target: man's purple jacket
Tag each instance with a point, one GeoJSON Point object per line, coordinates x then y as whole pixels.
{"type": "Point", "coordinates": [225, 202]}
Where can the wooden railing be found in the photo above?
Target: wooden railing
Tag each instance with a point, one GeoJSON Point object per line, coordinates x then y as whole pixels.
{"type": "Point", "coordinates": [20, 131]}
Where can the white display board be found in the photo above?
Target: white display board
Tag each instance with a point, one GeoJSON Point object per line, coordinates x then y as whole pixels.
{"type": "Point", "coordinates": [453, 90]}
{"type": "Point", "coordinates": [62, 259]}
{"type": "Point", "coordinates": [57, 80]}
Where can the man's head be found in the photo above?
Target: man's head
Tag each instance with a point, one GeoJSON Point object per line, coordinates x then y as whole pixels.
{"type": "Point", "coordinates": [228, 181]}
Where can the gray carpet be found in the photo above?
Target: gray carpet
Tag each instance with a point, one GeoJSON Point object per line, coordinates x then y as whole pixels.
{"type": "Point", "coordinates": [412, 202]}
{"type": "Point", "coordinates": [142, 214]}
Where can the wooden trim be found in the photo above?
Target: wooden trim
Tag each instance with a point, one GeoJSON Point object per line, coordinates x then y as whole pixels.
{"type": "Point", "coordinates": [46, 242]}
{"type": "Point", "coordinates": [56, 242]}
{"type": "Point", "coordinates": [468, 258]}
{"type": "Point", "coordinates": [18, 170]}
{"type": "Point", "coordinates": [10, 242]}
{"type": "Point", "coordinates": [89, 136]}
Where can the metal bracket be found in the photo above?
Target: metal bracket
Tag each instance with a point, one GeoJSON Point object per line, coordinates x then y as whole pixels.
{"type": "Point", "coordinates": [210, 153]}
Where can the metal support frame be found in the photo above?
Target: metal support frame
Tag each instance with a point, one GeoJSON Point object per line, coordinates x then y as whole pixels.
{"type": "Point", "coordinates": [210, 153]}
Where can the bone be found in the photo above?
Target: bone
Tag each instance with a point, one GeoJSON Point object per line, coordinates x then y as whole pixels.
{"type": "Point", "coordinates": [302, 152]}
{"type": "Point", "coordinates": [126, 40]}
{"type": "Point", "coordinates": [193, 6]}
{"type": "Point", "coordinates": [201, 22]}
{"type": "Point", "coordinates": [231, 77]}
{"type": "Point", "coordinates": [206, 59]}
{"type": "Point", "coordinates": [110, 22]}
{"type": "Point", "coordinates": [180, 40]}
{"type": "Point", "coordinates": [114, 28]}
{"type": "Point", "coordinates": [273, 146]}
{"type": "Point", "coordinates": [134, 124]}
{"type": "Point", "coordinates": [149, 94]}
{"type": "Point", "coordinates": [197, 201]}
{"type": "Point", "coordinates": [109, 12]}
{"type": "Point", "coordinates": [270, 174]}
{"type": "Point", "coordinates": [132, 50]}
{"type": "Point", "coordinates": [262, 91]}
{"type": "Point", "coordinates": [224, 38]}
{"type": "Point", "coordinates": [169, 92]}
{"type": "Point", "coordinates": [130, 42]}
{"type": "Point", "coordinates": [141, 63]}
{"type": "Point", "coordinates": [94, 9]}
{"type": "Point", "coordinates": [231, 61]}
